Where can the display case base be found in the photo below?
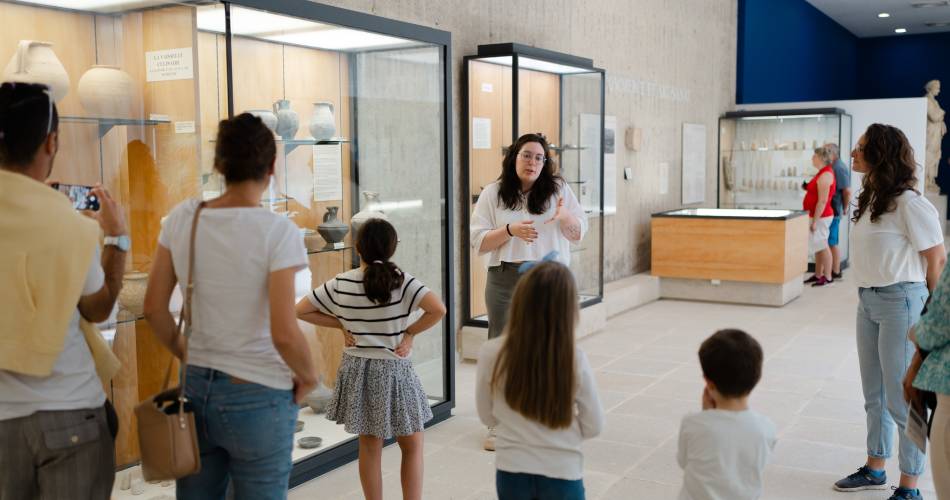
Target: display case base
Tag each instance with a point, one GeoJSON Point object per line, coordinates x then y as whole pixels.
{"type": "Point", "coordinates": [736, 292]}
{"type": "Point", "coordinates": [471, 338]}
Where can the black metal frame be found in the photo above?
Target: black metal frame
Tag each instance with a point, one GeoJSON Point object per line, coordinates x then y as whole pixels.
{"type": "Point", "coordinates": [347, 451]}
{"type": "Point", "coordinates": [777, 113]}
{"type": "Point", "coordinates": [515, 51]}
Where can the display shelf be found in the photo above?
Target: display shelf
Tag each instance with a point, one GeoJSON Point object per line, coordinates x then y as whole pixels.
{"type": "Point", "coordinates": [106, 124]}
{"type": "Point", "coordinates": [568, 147]}
{"type": "Point", "coordinates": [292, 144]}
{"type": "Point", "coordinates": [329, 250]}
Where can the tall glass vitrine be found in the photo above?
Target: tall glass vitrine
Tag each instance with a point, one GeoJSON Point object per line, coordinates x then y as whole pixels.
{"type": "Point", "coordinates": [510, 90]}
{"type": "Point", "coordinates": [360, 107]}
{"type": "Point", "coordinates": [765, 157]}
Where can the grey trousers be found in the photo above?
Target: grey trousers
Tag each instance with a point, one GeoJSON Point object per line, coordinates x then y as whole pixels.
{"type": "Point", "coordinates": [56, 455]}
{"type": "Point", "coordinates": [499, 288]}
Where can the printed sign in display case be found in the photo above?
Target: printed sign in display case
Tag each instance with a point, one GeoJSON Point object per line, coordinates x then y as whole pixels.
{"type": "Point", "coordinates": [361, 113]}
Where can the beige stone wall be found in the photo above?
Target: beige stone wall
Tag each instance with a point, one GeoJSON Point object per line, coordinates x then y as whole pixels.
{"type": "Point", "coordinates": [667, 62]}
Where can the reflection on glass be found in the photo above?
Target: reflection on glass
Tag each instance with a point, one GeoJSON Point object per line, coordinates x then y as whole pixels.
{"type": "Point", "coordinates": [732, 213]}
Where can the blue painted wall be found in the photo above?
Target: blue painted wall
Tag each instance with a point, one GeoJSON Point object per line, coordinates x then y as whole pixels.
{"type": "Point", "coordinates": [783, 46]}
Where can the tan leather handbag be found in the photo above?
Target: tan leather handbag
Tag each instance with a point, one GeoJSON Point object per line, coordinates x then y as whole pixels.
{"type": "Point", "coordinates": [166, 423]}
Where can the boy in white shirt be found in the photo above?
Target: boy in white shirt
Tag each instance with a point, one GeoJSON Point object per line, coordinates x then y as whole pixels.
{"type": "Point", "coordinates": [723, 449]}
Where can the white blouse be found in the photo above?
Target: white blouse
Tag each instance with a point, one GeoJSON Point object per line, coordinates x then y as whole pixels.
{"type": "Point", "coordinates": [489, 214]}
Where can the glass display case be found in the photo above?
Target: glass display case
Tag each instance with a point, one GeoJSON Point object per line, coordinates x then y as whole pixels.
{"type": "Point", "coordinates": [361, 113]}
{"type": "Point", "coordinates": [510, 90]}
{"type": "Point", "coordinates": [765, 157]}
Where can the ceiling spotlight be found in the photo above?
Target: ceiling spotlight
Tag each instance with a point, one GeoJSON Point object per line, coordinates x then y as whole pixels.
{"type": "Point", "coordinates": [900, 30]}
{"type": "Point", "coordinates": [883, 14]}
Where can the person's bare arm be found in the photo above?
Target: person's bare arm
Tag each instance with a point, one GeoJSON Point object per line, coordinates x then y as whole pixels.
{"type": "Point", "coordinates": [161, 285]}
{"type": "Point", "coordinates": [846, 201]}
{"type": "Point", "coordinates": [433, 312]}
{"type": "Point", "coordinates": [936, 257]}
{"type": "Point", "coordinates": [307, 312]}
{"type": "Point", "coordinates": [285, 332]}
{"type": "Point", "coordinates": [97, 307]}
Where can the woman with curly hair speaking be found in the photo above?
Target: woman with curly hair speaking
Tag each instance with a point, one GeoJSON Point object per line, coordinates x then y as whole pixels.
{"type": "Point", "coordinates": [897, 257]}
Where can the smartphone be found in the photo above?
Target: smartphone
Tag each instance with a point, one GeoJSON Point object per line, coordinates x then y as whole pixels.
{"type": "Point", "coordinates": [81, 196]}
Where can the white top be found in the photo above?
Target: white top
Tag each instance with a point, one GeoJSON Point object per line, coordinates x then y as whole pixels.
{"type": "Point", "coordinates": [527, 446]}
{"type": "Point", "coordinates": [489, 214]}
{"type": "Point", "coordinates": [723, 454]}
{"type": "Point", "coordinates": [236, 249]}
{"type": "Point", "coordinates": [888, 251]}
{"type": "Point", "coordinates": [73, 384]}
{"type": "Point", "coordinates": [377, 328]}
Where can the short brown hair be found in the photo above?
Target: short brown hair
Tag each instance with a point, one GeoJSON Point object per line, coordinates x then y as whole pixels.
{"type": "Point", "coordinates": [245, 149]}
{"type": "Point", "coordinates": [732, 360]}
{"type": "Point", "coordinates": [535, 367]}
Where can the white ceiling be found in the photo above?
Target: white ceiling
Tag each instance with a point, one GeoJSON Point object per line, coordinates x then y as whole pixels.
{"type": "Point", "coordinates": [860, 16]}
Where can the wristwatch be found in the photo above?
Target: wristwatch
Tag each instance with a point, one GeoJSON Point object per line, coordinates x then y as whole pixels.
{"type": "Point", "coordinates": [123, 242]}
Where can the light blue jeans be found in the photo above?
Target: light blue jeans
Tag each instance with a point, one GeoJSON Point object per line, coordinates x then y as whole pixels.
{"type": "Point", "coordinates": [245, 436]}
{"type": "Point", "coordinates": [885, 315]}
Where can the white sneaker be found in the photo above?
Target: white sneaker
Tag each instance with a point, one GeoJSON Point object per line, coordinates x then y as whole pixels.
{"type": "Point", "coordinates": [489, 444]}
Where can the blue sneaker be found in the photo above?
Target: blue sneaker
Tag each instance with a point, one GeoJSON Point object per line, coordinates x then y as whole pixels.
{"type": "Point", "coordinates": [863, 480]}
{"type": "Point", "coordinates": [905, 494]}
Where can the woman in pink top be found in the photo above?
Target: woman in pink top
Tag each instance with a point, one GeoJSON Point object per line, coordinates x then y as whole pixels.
{"type": "Point", "coordinates": [817, 202]}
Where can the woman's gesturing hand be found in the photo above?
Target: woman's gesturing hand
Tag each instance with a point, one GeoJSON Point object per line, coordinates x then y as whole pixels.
{"type": "Point", "coordinates": [524, 230]}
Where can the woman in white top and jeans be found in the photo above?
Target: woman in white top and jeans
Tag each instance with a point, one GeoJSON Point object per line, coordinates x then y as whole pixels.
{"type": "Point", "coordinates": [552, 405]}
{"type": "Point", "coordinates": [897, 257]}
{"type": "Point", "coordinates": [527, 213]}
{"type": "Point", "coordinates": [249, 364]}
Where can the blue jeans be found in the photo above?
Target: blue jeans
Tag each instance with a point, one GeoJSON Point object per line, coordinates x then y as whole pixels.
{"type": "Point", "coordinates": [520, 486]}
{"type": "Point", "coordinates": [245, 436]}
{"type": "Point", "coordinates": [885, 315]}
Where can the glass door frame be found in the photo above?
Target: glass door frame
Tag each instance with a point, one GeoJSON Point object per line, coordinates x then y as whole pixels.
{"type": "Point", "coordinates": [516, 51]}
{"type": "Point", "coordinates": [347, 451]}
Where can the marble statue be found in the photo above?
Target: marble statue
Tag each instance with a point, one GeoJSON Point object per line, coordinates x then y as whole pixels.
{"type": "Point", "coordinates": [936, 128]}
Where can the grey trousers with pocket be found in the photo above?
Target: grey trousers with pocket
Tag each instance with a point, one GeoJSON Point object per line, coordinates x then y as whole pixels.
{"type": "Point", "coordinates": [499, 289]}
{"type": "Point", "coordinates": [57, 455]}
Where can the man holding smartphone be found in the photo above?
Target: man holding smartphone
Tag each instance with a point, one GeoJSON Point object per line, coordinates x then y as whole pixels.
{"type": "Point", "coordinates": [55, 435]}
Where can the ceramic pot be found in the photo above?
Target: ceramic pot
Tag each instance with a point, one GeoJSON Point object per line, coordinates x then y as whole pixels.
{"type": "Point", "coordinates": [132, 296]}
{"type": "Point", "coordinates": [287, 120]}
{"type": "Point", "coordinates": [319, 398]}
{"type": "Point", "coordinates": [322, 125]}
{"type": "Point", "coordinates": [370, 211]}
{"type": "Point", "coordinates": [106, 91]}
{"type": "Point", "coordinates": [266, 116]}
{"type": "Point", "coordinates": [35, 62]}
{"type": "Point", "coordinates": [332, 230]}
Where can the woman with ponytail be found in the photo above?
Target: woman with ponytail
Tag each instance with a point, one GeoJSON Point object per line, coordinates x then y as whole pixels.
{"type": "Point", "coordinates": [378, 394]}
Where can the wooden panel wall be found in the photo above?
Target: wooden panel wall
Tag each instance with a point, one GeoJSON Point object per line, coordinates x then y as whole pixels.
{"type": "Point", "coordinates": [760, 251]}
{"type": "Point", "coordinates": [538, 111]}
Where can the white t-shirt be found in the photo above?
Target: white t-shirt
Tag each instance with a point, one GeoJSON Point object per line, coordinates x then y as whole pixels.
{"type": "Point", "coordinates": [377, 328]}
{"type": "Point", "coordinates": [723, 454]}
{"type": "Point", "coordinates": [527, 446]}
{"type": "Point", "coordinates": [73, 384]}
{"type": "Point", "coordinates": [888, 251]}
{"type": "Point", "coordinates": [489, 215]}
{"type": "Point", "coordinates": [236, 249]}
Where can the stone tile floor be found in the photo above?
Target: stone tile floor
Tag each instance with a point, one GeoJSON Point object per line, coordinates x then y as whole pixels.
{"type": "Point", "coordinates": [649, 377]}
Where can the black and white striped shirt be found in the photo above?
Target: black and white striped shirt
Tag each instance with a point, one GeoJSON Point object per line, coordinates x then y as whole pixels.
{"type": "Point", "coordinates": [377, 328]}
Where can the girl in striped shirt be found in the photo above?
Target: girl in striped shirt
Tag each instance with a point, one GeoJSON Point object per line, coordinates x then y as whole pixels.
{"type": "Point", "coordinates": [378, 394]}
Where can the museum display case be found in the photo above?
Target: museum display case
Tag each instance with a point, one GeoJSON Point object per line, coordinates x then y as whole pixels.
{"type": "Point", "coordinates": [510, 90]}
{"type": "Point", "coordinates": [361, 113]}
{"type": "Point", "coordinates": [765, 156]}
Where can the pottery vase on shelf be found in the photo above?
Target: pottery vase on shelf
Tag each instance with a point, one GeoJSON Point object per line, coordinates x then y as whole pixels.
{"type": "Point", "coordinates": [287, 120]}
{"type": "Point", "coordinates": [332, 230]}
{"type": "Point", "coordinates": [267, 116]}
{"type": "Point", "coordinates": [35, 62]}
{"type": "Point", "coordinates": [322, 125]}
{"type": "Point", "coordinates": [370, 211]}
{"type": "Point", "coordinates": [106, 91]}
{"type": "Point", "coordinates": [132, 296]}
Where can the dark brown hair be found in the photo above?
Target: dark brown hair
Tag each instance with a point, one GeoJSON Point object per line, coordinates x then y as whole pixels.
{"type": "Point", "coordinates": [538, 351]}
{"type": "Point", "coordinates": [732, 360]}
{"type": "Point", "coordinates": [24, 118]}
{"type": "Point", "coordinates": [547, 184]}
{"type": "Point", "coordinates": [891, 170]}
{"type": "Point", "coordinates": [376, 244]}
{"type": "Point", "coordinates": [245, 149]}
